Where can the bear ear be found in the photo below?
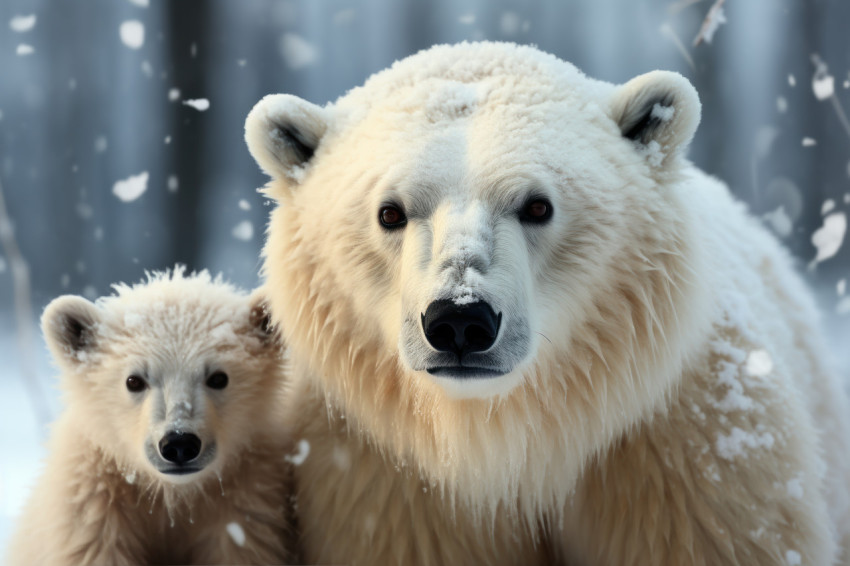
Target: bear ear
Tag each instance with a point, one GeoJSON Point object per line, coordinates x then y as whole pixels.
{"type": "Point", "coordinates": [69, 324]}
{"type": "Point", "coordinates": [282, 132]}
{"type": "Point", "coordinates": [659, 111]}
{"type": "Point", "coordinates": [260, 319]}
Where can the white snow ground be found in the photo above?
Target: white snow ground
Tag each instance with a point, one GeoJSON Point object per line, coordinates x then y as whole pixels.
{"type": "Point", "coordinates": [21, 440]}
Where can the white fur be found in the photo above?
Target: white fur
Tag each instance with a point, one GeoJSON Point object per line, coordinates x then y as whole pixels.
{"type": "Point", "coordinates": [106, 496]}
{"type": "Point", "coordinates": [624, 400]}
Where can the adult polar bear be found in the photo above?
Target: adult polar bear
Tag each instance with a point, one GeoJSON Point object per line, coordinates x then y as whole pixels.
{"type": "Point", "coordinates": [502, 279]}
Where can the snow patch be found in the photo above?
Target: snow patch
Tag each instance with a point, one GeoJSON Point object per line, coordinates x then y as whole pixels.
{"type": "Point", "coordinates": [829, 237]}
{"type": "Point", "coordinates": [652, 153]}
{"type": "Point", "coordinates": [24, 49]}
{"type": "Point", "coordinates": [199, 104]}
{"type": "Point", "coordinates": [22, 24]}
{"type": "Point", "coordinates": [759, 363]}
{"type": "Point", "coordinates": [236, 532]}
{"type": "Point", "coordinates": [663, 113]}
{"type": "Point", "coordinates": [300, 456]}
{"type": "Point", "coordinates": [738, 441]}
{"type": "Point", "coordinates": [130, 477]}
{"type": "Point", "coordinates": [243, 231]}
{"type": "Point", "coordinates": [297, 52]}
{"type": "Point", "coordinates": [793, 558]}
{"type": "Point", "coordinates": [132, 33]}
{"type": "Point", "coordinates": [131, 188]}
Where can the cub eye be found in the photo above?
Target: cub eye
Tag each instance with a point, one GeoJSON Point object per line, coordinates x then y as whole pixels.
{"type": "Point", "coordinates": [536, 211]}
{"type": "Point", "coordinates": [218, 380]}
{"type": "Point", "coordinates": [136, 384]}
{"type": "Point", "coordinates": [391, 217]}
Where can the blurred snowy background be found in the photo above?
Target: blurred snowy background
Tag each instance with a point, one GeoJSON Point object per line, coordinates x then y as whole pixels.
{"type": "Point", "coordinates": [121, 134]}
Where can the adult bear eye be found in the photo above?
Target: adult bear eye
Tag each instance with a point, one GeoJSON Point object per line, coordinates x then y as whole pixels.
{"type": "Point", "coordinates": [391, 217]}
{"type": "Point", "coordinates": [218, 380]}
{"type": "Point", "coordinates": [536, 211]}
{"type": "Point", "coordinates": [135, 384]}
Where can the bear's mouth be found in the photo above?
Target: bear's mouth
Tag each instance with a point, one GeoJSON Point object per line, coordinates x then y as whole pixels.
{"type": "Point", "coordinates": [465, 372]}
{"type": "Point", "coordinates": [180, 471]}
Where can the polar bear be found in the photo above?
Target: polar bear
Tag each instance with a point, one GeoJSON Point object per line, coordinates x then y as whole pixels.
{"type": "Point", "coordinates": [170, 450]}
{"type": "Point", "coordinates": [504, 281]}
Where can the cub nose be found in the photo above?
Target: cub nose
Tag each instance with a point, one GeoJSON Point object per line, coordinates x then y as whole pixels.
{"type": "Point", "coordinates": [180, 448]}
{"type": "Point", "coordinates": [461, 329]}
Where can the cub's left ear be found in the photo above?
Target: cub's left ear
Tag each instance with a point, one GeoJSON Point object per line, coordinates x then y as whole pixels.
{"type": "Point", "coordinates": [283, 132]}
{"type": "Point", "coordinates": [659, 112]}
{"type": "Point", "coordinates": [260, 319]}
{"type": "Point", "coordinates": [69, 324]}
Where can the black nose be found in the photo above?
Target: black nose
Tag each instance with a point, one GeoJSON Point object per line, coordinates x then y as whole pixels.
{"type": "Point", "coordinates": [179, 448]}
{"type": "Point", "coordinates": [461, 329]}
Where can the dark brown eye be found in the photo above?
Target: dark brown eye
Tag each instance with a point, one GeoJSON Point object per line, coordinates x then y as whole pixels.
{"type": "Point", "coordinates": [135, 384]}
{"type": "Point", "coordinates": [536, 211]}
{"type": "Point", "coordinates": [391, 217]}
{"type": "Point", "coordinates": [218, 380]}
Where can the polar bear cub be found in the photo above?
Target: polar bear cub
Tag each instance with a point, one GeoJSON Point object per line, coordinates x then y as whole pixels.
{"type": "Point", "coordinates": [168, 451]}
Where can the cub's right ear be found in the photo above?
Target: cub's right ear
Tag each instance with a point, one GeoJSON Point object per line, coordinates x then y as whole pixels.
{"type": "Point", "coordinates": [69, 324]}
{"type": "Point", "coordinates": [282, 132]}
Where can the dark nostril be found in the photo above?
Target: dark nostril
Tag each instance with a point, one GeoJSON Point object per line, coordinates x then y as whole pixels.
{"type": "Point", "coordinates": [180, 448]}
{"type": "Point", "coordinates": [460, 329]}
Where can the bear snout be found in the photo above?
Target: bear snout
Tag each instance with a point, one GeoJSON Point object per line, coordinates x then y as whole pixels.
{"type": "Point", "coordinates": [179, 448]}
{"type": "Point", "coordinates": [460, 328]}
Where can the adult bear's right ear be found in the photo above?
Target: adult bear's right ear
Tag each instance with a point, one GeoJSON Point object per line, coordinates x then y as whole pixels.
{"type": "Point", "coordinates": [283, 132]}
{"type": "Point", "coordinates": [69, 324]}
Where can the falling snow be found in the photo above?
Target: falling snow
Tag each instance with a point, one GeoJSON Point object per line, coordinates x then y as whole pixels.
{"type": "Point", "coordinates": [713, 20]}
{"type": "Point", "coordinates": [22, 24]}
{"type": "Point", "coordinates": [173, 183]}
{"type": "Point", "coordinates": [243, 231]}
{"type": "Point", "coordinates": [199, 104]}
{"type": "Point", "coordinates": [131, 188]}
{"type": "Point", "coordinates": [132, 34]}
{"type": "Point", "coordinates": [297, 52]}
{"type": "Point", "coordinates": [829, 237]}
{"type": "Point", "coordinates": [301, 455]}
{"type": "Point", "coordinates": [244, 204]}
{"type": "Point", "coordinates": [793, 558]}
{"type": "Point", "coordinates": [809, 142]}
{"type": "Point", "coordinates": [24, 49]}
{"type": "Point", "coordinates": [174, 95]}
{"type": "Point", "coordinates": [236, 533]}
{"type": "Point", "coordinates": [823, 86]}
{"type": "Point", "coordinates": [827, 206]}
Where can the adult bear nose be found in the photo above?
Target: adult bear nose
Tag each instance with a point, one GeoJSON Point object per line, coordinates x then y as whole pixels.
{"type": "Point", "coordinates": [461, 329]}
{"type": "Point", "coordinates": [180, 448]}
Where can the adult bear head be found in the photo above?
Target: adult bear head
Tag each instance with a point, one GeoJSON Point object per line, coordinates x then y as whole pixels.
{"type": "Point", "coordinates": [481, 244]}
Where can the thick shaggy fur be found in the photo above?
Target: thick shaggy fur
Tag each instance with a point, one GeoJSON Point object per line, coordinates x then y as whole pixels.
{"type": "Point", "coordinates": [101, 500]}
{"type": "Point", "coordinates": [668, 402]}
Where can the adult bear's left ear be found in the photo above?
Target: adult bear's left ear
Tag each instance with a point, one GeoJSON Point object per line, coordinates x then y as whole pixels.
{"type": "Point", "coordinates": [659, 111]}
{"type": "Point", "coordinates": [283, 132]}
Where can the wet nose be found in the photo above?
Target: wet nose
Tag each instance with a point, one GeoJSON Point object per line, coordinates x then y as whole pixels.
{"type": "Point", "coordinates": [461, 329]}
{"type": "Point", "coordinates": [180, 448]}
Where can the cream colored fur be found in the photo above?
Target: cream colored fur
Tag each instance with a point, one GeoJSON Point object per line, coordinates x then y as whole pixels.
{"type": "Point", "coordinates": [670, 402]}
{"type": "Point", "coordinates": [100, 500]}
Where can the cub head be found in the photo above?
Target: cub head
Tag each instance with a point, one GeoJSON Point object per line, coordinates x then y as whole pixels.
{"type": "Point", "coordinates": [479, 233]}
{"type": "Point", "coordinates": [172, 377]}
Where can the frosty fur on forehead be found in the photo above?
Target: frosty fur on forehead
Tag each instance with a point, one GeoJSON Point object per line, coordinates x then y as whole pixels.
{"type": "Point", "coordinates": [282, 132]}
{"type": "Point", "coordinates": [659, 111]}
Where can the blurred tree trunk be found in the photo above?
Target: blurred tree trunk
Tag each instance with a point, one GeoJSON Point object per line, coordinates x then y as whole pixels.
{"type": "Point", "coordinates": [187, 35]}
